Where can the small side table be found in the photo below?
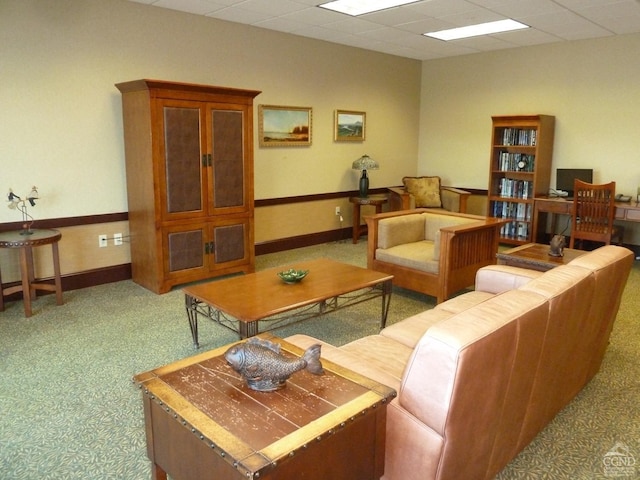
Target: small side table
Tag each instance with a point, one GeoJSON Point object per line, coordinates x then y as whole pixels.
{"type": "Point", "coordinates": [29, 286]}
{"type": "Point", "coordinates": [203, 422]}
{"type": "Point", "coordinates": [357, 203]}
{"type": "Point", "coordinates": [535, 256]}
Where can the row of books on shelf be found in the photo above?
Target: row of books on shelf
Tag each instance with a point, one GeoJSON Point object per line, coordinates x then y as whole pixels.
{"type": "Point", "coordinates": [517, 211]}
{"type": "Point", "coordinates": [520, 162]}
{"type": "Point", "coordinates": [512, 188]}
{"type": "Point", "coordinates": [519, 136]}
{"type": "Point", "coordinates": [515, 230]}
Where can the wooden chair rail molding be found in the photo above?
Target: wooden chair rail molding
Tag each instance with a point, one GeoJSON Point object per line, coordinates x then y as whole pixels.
{"type": "Point", "coordinates": [121, 270]}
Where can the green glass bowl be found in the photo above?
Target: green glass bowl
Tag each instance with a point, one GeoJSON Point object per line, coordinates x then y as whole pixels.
{"type": "Point", "coordinates": [292, 275]}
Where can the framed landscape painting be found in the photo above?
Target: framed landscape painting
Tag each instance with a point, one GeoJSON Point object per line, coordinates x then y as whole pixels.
{"type": "Point", "coordinates": [349, 126]}
{"type": "Point", "coordinates": [284, 126]}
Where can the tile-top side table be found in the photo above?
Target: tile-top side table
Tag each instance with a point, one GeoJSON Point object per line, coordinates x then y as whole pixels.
{"type": "Point", "coordinates": [535, 256]}
{"type": "Point", "coordinates": [25, 242]}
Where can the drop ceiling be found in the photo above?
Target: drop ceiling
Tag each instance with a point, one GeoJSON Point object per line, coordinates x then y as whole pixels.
{"type": "Point", "coordinates": [398, 31]}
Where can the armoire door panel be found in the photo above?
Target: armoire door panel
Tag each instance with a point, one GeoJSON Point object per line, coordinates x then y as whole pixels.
{"type": "Point", "coordinates": [186, 250]}
{"type": "Point", "coordinates": [183, 167]}
{"type": "Point", "coordinates": [228, 158]}
{"type": "Point", "coordinates": [229, 243]}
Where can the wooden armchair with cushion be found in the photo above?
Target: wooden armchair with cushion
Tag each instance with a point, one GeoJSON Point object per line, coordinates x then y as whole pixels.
{"type": "Point", "coordinates": [431, 251]}
{"type": "Point", "coordinates": [427, 192]}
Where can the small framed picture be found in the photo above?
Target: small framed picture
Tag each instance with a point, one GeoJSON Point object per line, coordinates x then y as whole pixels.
{"type": "Point", "coordinates": [349, 126]}
{"type": "Point", "coordinates": [284, 126]}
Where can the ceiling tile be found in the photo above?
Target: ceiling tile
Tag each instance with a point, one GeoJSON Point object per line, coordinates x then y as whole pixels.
{"type": "Point", "coordinates": [398, 31]}
{"type": "Point", "coordinates": [239, 15]}
{"type": "Point", "coordinates": [199, 7]}
{"type": "Point", "coordinates": [272, 7]}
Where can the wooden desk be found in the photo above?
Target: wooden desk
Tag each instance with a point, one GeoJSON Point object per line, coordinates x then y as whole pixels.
{"type": "Point", "coordinates": [202, 422]}
{"type": "Point", "coordinates": [357, 203]}
{"type": "Point", "coordinates": [627, 211]}
{"type": "Point", "coordinates": [28, 287]}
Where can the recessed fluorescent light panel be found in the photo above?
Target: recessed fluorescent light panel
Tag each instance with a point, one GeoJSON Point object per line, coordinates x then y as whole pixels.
{"type": "Point", "coordinates": [360, 7]}
{"type": "Point", "coordinates": [476, 30]}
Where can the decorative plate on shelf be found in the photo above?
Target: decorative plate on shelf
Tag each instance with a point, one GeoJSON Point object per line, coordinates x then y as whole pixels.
{"type": "Point", "coordinates": [292, 275]}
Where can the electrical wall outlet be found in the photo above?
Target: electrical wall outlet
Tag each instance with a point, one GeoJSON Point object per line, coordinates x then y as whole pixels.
{"type": "Point", "coordinates": [102, 241]}
{"type": "Point", "coordinates": [338, 212]}
{"type": "Point", "coordinates": [117, 239]}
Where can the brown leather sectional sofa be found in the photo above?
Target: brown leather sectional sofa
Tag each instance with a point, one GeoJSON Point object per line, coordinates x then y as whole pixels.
{"type": "Point", "coordinates": [480, 375]}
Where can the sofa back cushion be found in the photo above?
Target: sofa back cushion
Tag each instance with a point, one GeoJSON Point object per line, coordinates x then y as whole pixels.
{"type": "Point", "coordinates": [470, 377]}
{"type": "Point", "coordinates": [434, 222]}
{"type": "Point", "coordinates": [400, 230]}
{"type": "Point", "coordinates": [610, 267]}
{"type": "Point", "coordinates": [583, 300]}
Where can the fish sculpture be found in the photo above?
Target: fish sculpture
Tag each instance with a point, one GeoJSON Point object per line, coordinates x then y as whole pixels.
{"type": "Point", "coordinates": [264, 368]}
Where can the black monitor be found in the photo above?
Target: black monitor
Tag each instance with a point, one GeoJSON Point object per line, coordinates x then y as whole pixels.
{"type": "Point", "coordinates": [566, 176]}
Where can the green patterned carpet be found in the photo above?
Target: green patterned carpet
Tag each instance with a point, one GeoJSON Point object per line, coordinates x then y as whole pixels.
{"type": "Point", "coordinates": [68, 408]}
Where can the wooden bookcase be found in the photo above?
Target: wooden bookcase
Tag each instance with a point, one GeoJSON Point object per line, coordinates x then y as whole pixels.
{"type": "Point", "coordinates": [519, 170]}
{"type": "Point", "coordinates": [189, 165]}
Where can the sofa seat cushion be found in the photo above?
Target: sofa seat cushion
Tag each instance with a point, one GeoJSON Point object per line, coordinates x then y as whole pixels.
{"type": "Point", "coordinates": [409, 331]}
{"type": "Point", "coordinates": [376, 357]}
{"type": "Point", "coordinates": [416, 255]}
{"type": "Point", "coordinates": [464, 302]}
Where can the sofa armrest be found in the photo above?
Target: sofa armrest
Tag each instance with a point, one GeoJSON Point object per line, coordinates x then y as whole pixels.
{"type": "Point", "coordinates": [454, 199]}
{"type": "Point", "coordinates": [400, 199]}
{"type": "Point", "coordinates": [500, 278]}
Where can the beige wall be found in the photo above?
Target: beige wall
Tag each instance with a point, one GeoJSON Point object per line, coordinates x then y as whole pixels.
{"type": "Point", "coordinates": [61, 114]}
{"type": "Point", "coordinates": [78, 250]}
{"type": "Point", "coordinates": [591, 87]}
{"type": "Point", "coordinates": [61, 121]}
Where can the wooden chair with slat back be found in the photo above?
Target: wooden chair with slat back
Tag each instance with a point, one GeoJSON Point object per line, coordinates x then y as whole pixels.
{"type": "Point", "coordinates": [593, 213]}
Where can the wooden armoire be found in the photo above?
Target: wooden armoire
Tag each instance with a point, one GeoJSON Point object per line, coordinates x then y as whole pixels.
{"type": "Point", "coordinates": [189, 165]}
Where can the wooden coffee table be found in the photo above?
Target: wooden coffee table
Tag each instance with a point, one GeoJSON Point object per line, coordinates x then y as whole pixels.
{"type": "Point", "coordinates": [535, 256]}
{"type": "Point", "coordinates": [202, 422]}
{"type": "Point", "coordinates": [239, 303]}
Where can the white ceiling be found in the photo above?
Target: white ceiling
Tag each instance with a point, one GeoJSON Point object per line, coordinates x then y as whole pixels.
{"type": "Point", "coordinates": [398, 31]}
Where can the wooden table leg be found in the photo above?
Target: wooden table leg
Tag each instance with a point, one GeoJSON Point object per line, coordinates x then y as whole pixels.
{"type": "Point", "coordinates": [157, 473]}
{"type": "Point", "coordinates": [1, 295]}
{"type": "Point", "coordinates": [387, 289]}
{"type": "Point", "coordinates": [25, 273]}
{"type": "Point", "coordinates": [56, 273]}
{"type": "Point", "coordinates": [356, 222]}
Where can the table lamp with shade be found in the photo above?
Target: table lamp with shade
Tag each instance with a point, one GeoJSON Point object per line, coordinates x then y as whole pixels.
{"type": "Point", "coordinates": [364, 163]}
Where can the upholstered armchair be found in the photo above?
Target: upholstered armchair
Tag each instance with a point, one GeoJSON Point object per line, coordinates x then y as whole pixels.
{"type": "Point", "coordinates": [427, 192]}
{"type": "Point", "coordinates": [431, 251]}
